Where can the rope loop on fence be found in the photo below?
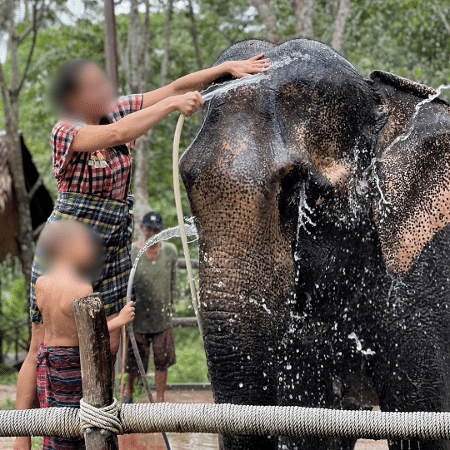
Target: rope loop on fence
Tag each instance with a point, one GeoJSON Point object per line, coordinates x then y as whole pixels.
{"type": "Point", "coordinates": [105, 418]}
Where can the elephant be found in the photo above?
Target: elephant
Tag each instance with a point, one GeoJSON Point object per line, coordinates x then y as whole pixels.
{"type": "Point", "coordinates": [322, 203]}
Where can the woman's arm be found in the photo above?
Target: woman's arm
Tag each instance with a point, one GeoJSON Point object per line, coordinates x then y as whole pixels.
{"type": "Point", "coordinates": [96, 137]}
{"type": "Point", "coordinates": [201, 80]}
{"type": "Point", "coordinates": [26, 393]}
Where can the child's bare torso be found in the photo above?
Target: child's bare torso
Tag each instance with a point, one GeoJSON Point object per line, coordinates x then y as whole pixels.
{"type": "Point", "coordinates": [54, 294]}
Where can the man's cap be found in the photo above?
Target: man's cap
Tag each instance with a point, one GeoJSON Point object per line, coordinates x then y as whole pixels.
{"type": "Point", "coordinates": [153, 220]}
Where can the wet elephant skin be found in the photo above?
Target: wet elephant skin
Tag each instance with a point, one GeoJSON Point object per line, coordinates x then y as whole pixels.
{"type": "Point", "coordinates": [322, 203]}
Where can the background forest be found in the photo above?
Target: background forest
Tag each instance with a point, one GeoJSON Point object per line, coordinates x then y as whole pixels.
{"type": "Point", "coordinates": [161, 40]}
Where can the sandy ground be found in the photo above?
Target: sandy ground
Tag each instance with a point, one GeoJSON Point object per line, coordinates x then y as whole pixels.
{"type": "Point", "coordinates": [177, 441]}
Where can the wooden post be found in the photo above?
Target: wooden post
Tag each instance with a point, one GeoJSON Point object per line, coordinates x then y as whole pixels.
{"type": "Point", "coordinates": [96, 367]}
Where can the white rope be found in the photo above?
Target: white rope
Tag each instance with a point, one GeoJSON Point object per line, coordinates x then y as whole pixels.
{"type": "Point", "coordinates": [177, 193]}
{"type": "Point", "coordinates": [106, 418]}
{"type": "Point", "coordinates": [227, 419]}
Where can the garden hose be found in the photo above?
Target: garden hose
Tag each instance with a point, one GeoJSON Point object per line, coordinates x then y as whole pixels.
{"type": "Point", "coordinates": [177, 192]}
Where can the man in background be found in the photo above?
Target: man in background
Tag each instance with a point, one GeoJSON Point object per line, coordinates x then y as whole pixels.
{"type": "Point", "coordinates": [155, 288]}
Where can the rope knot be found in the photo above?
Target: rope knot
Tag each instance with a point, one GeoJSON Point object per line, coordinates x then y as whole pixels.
{"type": "Point", "coordinates": [105, 418]}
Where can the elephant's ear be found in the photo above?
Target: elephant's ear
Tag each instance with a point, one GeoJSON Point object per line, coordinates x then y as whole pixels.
{"type": "Point", "coordinates": [412, 169]}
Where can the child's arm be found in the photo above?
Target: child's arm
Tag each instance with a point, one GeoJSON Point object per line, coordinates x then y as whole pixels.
{"type": "Point", "coordinates": [26, 394]}
{"type": "Point", "coordinates": [125, 317]}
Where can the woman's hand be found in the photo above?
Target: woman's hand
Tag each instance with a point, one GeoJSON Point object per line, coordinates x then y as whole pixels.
{"type": "Point", "coordinates": [240, 69]}
{"type": "Point", "coordinates": [189, 103]}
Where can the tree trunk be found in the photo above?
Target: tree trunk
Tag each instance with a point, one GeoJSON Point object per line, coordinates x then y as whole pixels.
{"type": "Point", "coordinates": [135, 65]}
{"type": "Point", "coordinates": [167, 30]}
{"type": "Point", "coordinates": [194, 35]}
{"type": "Point", "coordinates": [304, 14]}
{"type": "Point", "coordinates": [111, 44]}
{"type": "Point", "coordinates": [266, 12]}
{"type": "Point", "coordinates": [10, 97]}
{"type": "Point", "coordinates": [140, 187]}
{"type": "Point", "coordinates": [339, 25]}
{"type": "Point", "coordinates": [438, 10]}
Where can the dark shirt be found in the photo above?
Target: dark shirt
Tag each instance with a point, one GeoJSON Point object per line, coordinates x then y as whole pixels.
{"type": "Point", "coordinates": [155, 288]}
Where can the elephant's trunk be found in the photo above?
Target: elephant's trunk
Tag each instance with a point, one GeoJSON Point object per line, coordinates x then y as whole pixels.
{"type": "Point", "coordinates": [241, 301]}
{"type": "Point", "coordinates": [240, 330]}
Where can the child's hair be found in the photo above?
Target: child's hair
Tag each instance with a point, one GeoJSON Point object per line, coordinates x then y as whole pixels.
{"type": "Point", "coordinates": [57, 238]}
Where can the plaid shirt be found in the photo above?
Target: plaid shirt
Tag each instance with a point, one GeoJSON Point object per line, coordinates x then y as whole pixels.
{"type": "Point", "coordinates": [104, 173]}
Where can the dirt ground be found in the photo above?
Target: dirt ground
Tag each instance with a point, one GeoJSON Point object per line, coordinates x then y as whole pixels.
{"type": "Point", "coordinates": [177, 441]}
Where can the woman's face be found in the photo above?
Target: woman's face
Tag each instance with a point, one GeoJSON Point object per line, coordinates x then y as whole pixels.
{"type": "Point", "coordinates": [94, 94]}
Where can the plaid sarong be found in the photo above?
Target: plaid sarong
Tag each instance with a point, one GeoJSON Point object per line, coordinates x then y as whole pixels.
{"type": "Point", "coordinates": [59, 385]}
{"type": "Point", "coordinates": [113, 221]}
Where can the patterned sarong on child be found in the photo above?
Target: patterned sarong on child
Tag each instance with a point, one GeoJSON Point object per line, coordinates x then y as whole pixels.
{"type": "Point", "coordinates": [59, 385]}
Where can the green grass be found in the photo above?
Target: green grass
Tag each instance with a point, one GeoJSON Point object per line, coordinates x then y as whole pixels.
{"type": "Point", "coordinates": [8, 375]}
{"type": "Point", "coordinates": [36, 443]}
{"type": "Point", "coordinates": [191, 359]}
{"type": "Point", "coordinates": [8, 405]}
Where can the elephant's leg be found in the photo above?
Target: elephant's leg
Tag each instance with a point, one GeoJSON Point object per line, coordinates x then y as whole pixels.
{"type": "Point", "coordinates": [417, 380]}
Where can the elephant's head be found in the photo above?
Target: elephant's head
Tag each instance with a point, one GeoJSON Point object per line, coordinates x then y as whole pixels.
{"type": "Point", "coordinates": [286, 159]}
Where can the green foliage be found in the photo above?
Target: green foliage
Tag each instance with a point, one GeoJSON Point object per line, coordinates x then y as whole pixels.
{"type": "Point", "coordinates": [191, 360]}
{"type": "Point", "coordinates": [8, 405]}
{"type": "Point", "coordinates": [8, 376]}
{"type": "Point", "coordinates": [36, 443]}
{"type": "Point", "coordinates": [13, 294]}
{"type": "Point", "coordinates": [14, 306]}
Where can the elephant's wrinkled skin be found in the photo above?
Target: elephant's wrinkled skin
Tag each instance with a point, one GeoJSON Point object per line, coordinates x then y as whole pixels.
{"type": "Point", "coordinates": [324, 238]}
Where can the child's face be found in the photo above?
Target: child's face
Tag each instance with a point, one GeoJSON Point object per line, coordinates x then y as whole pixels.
{"type": "Point", "coordinates": [84, 254]}
{"type": "Point", "coordinates": [73, 244]}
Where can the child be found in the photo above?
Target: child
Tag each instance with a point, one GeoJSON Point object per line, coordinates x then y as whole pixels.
{"type": "Point", "coordinates": [72, 253]}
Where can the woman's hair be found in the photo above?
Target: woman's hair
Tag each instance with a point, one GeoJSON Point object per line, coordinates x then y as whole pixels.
{"type": "Point", "coordinates": [67, 81]}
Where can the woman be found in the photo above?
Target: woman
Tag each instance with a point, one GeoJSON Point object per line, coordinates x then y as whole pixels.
{"type": "Point", "coordinates": [91, 147]}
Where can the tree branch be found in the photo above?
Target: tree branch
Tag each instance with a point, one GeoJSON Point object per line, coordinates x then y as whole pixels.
{"type": "Point", "coordinates": [440, 13]}
{"type": "Point", "coordinates": [167, 31]}
{"type": "Point", "coordinates": [339, 26]}
{"type": "Point", "coordinates": [304, 15]}
{"type": "Point", "coordinates": [194, 35]}
{"type": "Point", "coordinates": [25, 34]}
{"type": "Point", "coordinates": [33, 44]}
{"type": "Point", "coordinates": [4, 89]}
{"type": "Point", "coordinates": [36, 186]}
{"type": "Point", "coordinates": [266, 12]}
